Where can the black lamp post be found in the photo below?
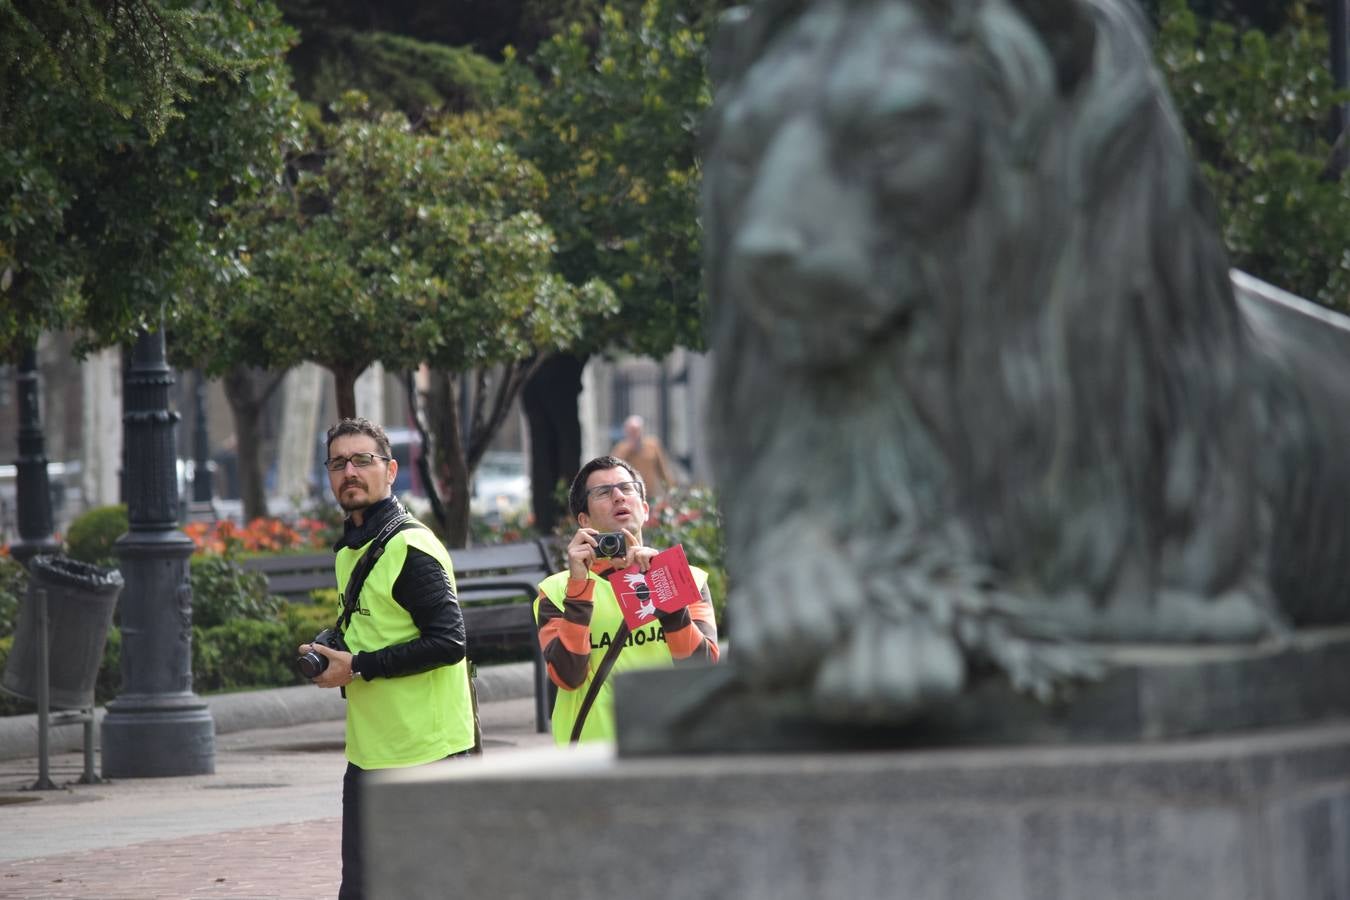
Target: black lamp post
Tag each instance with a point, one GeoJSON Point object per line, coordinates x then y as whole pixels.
{"type": "Point", "coordinates": [33, 496]}
{"type": "Point", "coordinates": [1338, 25]}
{"type": "Point", "coordinates": [157, 725]}
{"type": "Point", "coordinates": [201, 445]}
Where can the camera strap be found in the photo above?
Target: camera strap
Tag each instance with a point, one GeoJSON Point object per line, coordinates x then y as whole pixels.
{"type": "Point", "coordinates": [351, 593]}
{"type": "Point", "coordinates": [601, 673]}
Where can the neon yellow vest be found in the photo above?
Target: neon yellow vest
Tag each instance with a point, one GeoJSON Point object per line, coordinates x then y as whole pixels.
{"type": "Point", "coordinates": [645, 649]}
{"type": "Point", "coordinates": [411, 719]}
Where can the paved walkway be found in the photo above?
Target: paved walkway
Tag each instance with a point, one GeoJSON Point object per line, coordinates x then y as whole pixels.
{"type": "Point", "coordinates": [265, 825]}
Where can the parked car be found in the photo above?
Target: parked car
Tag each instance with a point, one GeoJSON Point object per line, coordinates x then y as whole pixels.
{"type": "Point", "coordinates": [501, 486]}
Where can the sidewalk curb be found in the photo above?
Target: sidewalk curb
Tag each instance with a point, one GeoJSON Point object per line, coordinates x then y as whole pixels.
{"type": "Point", "coordinates": [244, 711]}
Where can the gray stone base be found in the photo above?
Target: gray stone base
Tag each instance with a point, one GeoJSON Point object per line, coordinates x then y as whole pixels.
{"type": "Point", "coordinates": [1150, 692]}
{"type": "Point", "coordinates": [1256, 816]}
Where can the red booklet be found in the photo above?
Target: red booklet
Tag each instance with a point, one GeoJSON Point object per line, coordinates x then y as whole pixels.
{"type": "Point", "coordinates": [667, 585]}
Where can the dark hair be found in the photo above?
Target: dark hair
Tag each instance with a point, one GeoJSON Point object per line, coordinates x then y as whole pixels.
{"type": "Point", "coordinates": [359, 425]}
{"type": "Point", "coordinates": [576, 495]}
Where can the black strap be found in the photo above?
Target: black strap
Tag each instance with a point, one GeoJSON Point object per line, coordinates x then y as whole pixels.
{"type": "Point", "coordinates": [607, 663]}
{"type": "Point", "coordinates": [352, 592]}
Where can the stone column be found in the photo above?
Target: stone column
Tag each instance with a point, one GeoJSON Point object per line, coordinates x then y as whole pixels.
{"type": "Point", "coordinates": [302, 396]}
{"type": "Point", "coordinates": [157, 725]}
{"type": "Point", "coordinates": [370, 394]}
{"type": "Point", "coordinates": [101, 456]}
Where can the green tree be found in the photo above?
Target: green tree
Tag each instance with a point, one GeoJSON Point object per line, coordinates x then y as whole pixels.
{"type": "Point", "coordinates": [609, 111]}
{"type": "Point", "coordinates": [125, 123]}
{"type": "Point", "coordinates": [612, 122]}
{"type": "Point", "coordinates": [1257, 109]}
{"type": "Point", "coordinates": [392, 244]}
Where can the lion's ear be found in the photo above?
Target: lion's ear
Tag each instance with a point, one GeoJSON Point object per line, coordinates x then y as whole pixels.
{"type": "Point", "coordinates": [1069, 34]}
{"type": "Point", "coordinates": [742, 33]}
{"type": "Point", "coordinates": [728, 51]}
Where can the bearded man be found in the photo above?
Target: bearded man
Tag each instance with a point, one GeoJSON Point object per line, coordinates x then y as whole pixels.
{"type": "Point", "coordinates": [403, 670]}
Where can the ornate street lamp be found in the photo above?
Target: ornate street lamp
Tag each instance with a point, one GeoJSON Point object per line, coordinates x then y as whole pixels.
{"type": "Point", "coordinates": [157, 725]}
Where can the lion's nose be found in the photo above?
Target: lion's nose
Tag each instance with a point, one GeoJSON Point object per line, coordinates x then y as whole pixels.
{"type": "Point", "coordinates": [768, 245]}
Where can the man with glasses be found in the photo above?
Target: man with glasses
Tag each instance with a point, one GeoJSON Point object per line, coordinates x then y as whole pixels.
{"type": "Point", "coordinates": [403, 672]}
{"type": "Point", "coordinates": [578, 615]}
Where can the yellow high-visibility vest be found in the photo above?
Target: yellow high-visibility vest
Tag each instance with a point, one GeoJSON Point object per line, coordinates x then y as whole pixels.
{"type": "Point", "coordinates": [644, 649]}
{"type": "Point", "coordinates": [411, 719]}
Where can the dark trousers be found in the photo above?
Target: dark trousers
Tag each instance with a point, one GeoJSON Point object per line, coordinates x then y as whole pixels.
{"type": "Point", "coordinates": [353, 868]}
{"type": "Point", "coordinates": [353, 880]}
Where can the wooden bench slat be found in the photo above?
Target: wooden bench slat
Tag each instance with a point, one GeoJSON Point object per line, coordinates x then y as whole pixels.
{"type": "Point", "coordinates": [308, 562]}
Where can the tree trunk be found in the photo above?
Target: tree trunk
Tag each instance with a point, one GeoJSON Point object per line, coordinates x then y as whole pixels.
{"type": "Point", "coordinates": [344, 388]}
{"type": "Point", "coordinates": [452, 469]}
{"type": "Point", "coordinates": [459, 443]}
{"type": "Point", "coordinates": [248, 398]}
{"type": "Point", "coordinates": [550, 398]}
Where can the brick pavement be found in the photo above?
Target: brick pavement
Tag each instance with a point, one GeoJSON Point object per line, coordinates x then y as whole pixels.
{"type": "Point", "coordinates": [233, 834]}
{"type": "Point", "coordinates": [298, 860]}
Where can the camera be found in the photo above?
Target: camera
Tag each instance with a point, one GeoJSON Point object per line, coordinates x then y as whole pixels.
{"type": "Point", "coordinates": [313, 663]}
{"type": "Point", "coordinates": [611, 545]}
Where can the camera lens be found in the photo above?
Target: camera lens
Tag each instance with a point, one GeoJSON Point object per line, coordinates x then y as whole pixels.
{"type": "Point", "coordinates": [312, 664]}
{"type": "Point", "coordinates": [610, 545]}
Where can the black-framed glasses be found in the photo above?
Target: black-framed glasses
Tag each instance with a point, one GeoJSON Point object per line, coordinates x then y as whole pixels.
{"type": "Point", "coordinates": [360, 460]}
{"type": "Point", "coordinates": [606, 491]}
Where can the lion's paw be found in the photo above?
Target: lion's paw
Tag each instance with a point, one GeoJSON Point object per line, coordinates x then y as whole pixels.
{"type": "Point", "coordinates": [788, 616]}
{"type": "Point", "coordinates": [886, 671]}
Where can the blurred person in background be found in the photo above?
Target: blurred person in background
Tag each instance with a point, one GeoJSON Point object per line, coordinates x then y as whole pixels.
{"type": "Point", "coordinates": [645, 454]}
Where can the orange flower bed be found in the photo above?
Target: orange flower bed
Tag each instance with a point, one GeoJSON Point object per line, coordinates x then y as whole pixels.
{"type": "Point", "coordinates": [262, 535]}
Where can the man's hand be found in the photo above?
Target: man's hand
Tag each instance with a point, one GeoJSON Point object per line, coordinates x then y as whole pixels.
{"type": "Point", "coordinates": [339, 671]}
{"type": "Point", "coordinates": [637, 553]}
{"type": "Point", "coordinates": [581, 552]}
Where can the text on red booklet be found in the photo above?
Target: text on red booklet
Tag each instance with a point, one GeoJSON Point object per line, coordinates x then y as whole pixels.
{"type": "Point", "coordinates": [667, 585]}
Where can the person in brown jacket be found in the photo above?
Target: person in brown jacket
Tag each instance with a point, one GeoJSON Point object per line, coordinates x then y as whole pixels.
{"type": "Point", "coordinates": [645, 454]}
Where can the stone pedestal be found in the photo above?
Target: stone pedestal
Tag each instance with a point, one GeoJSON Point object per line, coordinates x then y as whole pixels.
{"type": "Point", "coordinates": [1260, 816]}
{"type": "Point", "coordinates": [1149, 692]}
{"type": "Point", "coordinates": [1218, 773]}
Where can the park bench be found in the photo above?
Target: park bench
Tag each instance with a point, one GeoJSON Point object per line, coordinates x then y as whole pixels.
{"type": "Point", "coordinates": [496, 585]}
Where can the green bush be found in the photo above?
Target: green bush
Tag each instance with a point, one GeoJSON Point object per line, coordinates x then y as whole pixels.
{"type": "Point", "coordinates": [92, 534]}
{"type": "Point", "coordinates": [224, 592]}
{"type": "Point", "coordinates": [689, 516]}
{"type": "Point", "coordinates": [9, 704]}
{"type": "Point", "coordinates": [306, 621]}
{"type": "Point", "coordinates": [255, 653]}
{"type": "Point", "coordinates": [234, 655]}
{"type": "Point", "coordinates": [109, 683]}
{"type": "Point", "coordinates": [13, 584]}
{"type": "Point", "coordinates": [244, 654]}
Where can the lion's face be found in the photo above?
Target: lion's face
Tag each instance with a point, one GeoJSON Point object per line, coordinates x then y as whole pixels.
{"type": "Point", "coordinates": [822, 187]}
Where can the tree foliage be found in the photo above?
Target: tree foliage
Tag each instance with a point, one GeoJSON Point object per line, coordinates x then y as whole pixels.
{"type": "Point", "coordinates": [137, 58]}
{"type": "Point", "coordinates": [389, 244]}
{"type": "Point", "coordinates": [126, 122]}
{"type": "Point", "coordinates": [610, 117]}
{"type": "Point", "coordinates": [396, 72]}
{"type": "Point", "coordinates": [393, 244]}
{"type": "Point", "coordinates": [1257, 109]}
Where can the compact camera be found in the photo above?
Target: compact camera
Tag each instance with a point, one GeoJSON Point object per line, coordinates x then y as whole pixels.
{"type": "Point", "coordinates": [611, 545]}
{"type": "Point", "coordinates": [313, 663]}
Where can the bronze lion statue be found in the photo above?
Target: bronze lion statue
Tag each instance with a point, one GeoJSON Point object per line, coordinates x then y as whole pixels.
{"type": "Point", "coordinates": [983, 399]}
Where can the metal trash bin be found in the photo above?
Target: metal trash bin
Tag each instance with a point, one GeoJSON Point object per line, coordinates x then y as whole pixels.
{"type": "Point", "coordinates": [80, 603]}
